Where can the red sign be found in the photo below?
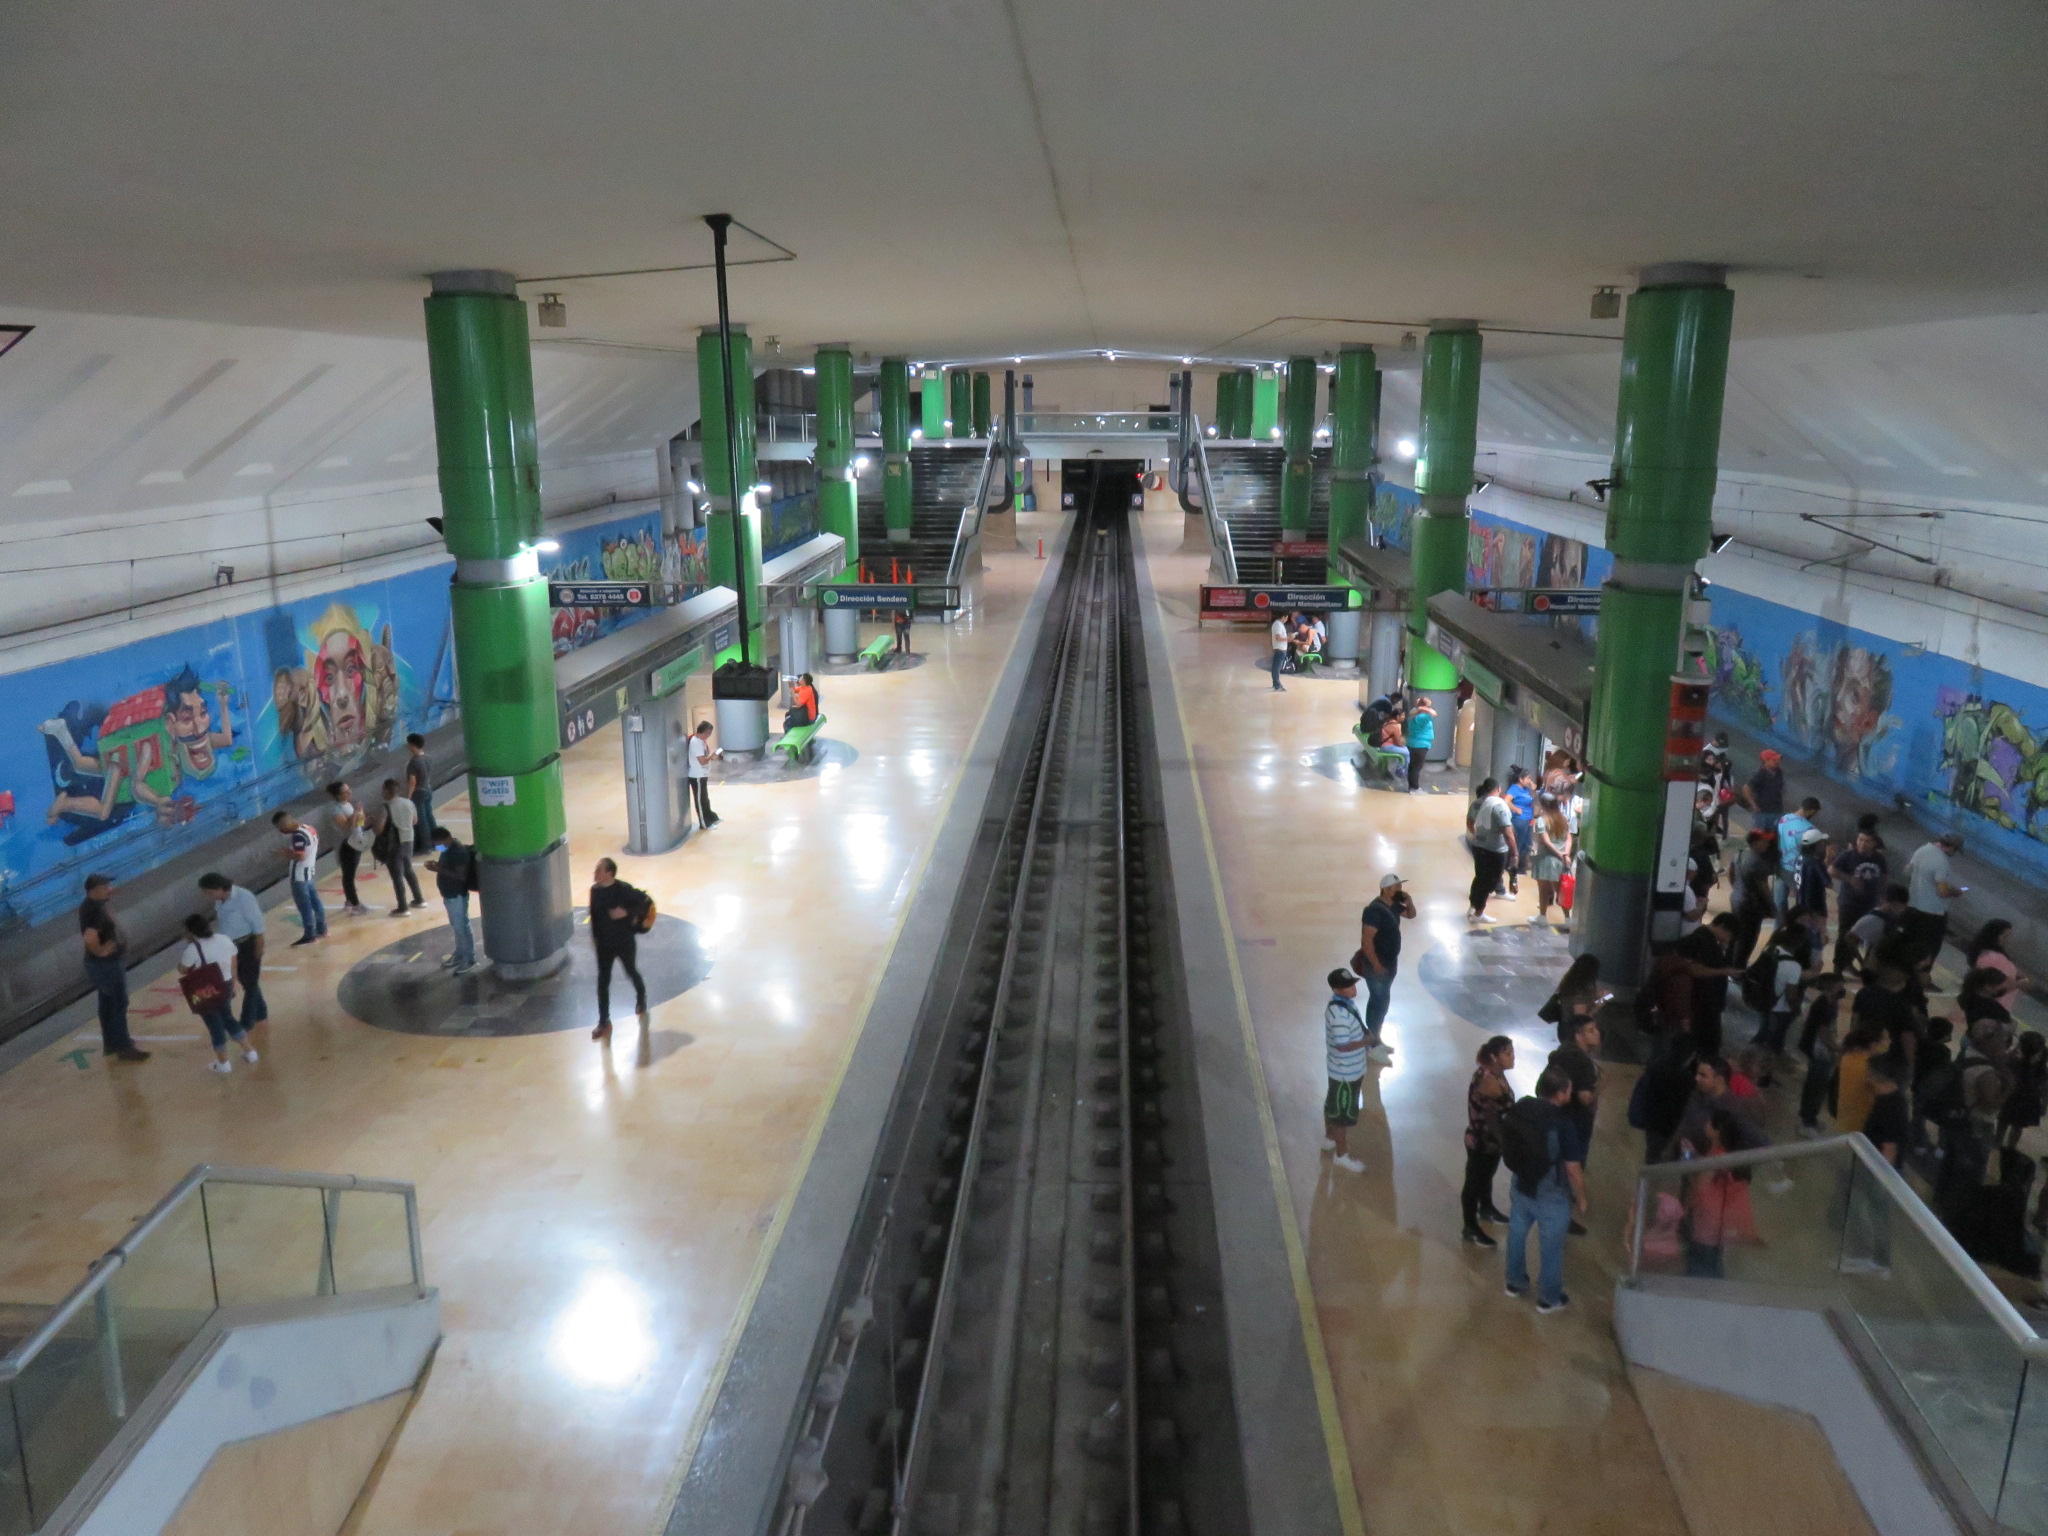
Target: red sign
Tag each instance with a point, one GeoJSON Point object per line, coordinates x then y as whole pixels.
{"type": "Point", "coordinates": [1305, 549]}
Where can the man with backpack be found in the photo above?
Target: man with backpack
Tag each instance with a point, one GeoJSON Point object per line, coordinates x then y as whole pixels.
{"type": "Point", "coordinates": [619, 914]}
{"type": "Point", "coordinates": [455, 875]}
{"type": "Point", "coordinates": [1546, 1158]}
{"type": "Point", "coordinates": [1344, 1049]}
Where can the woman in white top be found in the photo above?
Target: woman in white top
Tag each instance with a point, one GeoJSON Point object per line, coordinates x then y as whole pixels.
{"type": "Point", "coordinates": [204, 947]}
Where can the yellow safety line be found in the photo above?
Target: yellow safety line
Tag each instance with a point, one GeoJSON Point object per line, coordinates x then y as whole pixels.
{"type": "Point", "coordinates": [701, 1419]}
{"type": "Point", "coordinates": [1346, 1489]}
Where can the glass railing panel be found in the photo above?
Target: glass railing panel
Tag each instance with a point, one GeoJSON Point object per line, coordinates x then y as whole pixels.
{"type": "Point", "coordinates": [157, 1302]}
{"type": "Point", "coordinates": [372, 1246]}
{"type": "Point", "coordinates": [1947, 1352]}
{"type": "Point", "coordinates": [15, 1516]}
{"type": "Point", "coordinates": [1775, 1224]}
{"type": "Point", "coordinates": [67, 1409]}
{"type": "Point", "coordinates": [2023, 1501]}
{"type": "Point", "coordinates": [269, 1242]}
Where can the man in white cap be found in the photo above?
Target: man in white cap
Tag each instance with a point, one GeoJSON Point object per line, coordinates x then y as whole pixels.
{"type": "Point", "coordinates": [1344, 1051]}
{"type": "Point", "coordinates": [1379, 955]}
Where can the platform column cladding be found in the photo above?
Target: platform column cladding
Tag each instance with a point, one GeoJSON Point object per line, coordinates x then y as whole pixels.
{"type": "Point", "coordinates": [983, 407]}
{"type": "Point", "coordinates": [725, 569]}
{"type": "Point", "coordinates": [1667, 433]}
{"type": "Point", "coordinates": [959, 403]}
{"type": "Point", "coordinates": [932, 399]}
{"type": "Point", "coordinates": [896, 448]}
{"type": "Point", "coordinates": [1298, 436]}
{"type": "Point", "coordinates": [1226, 401]}
{"type": "Point", "coordinates": [1446, 446]}
{"type": "Point", "coordinates": [482, 378]}
{"type": "Point", "coordinates": [1265, 413]}
{"type": "Point", "coordinates": [1354, 450]}
{"type": "Point", "coordinates": [838, 481]}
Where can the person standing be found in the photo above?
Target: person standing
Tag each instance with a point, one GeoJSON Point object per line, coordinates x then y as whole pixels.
{"type": "Point", "coordinates": [419, 789]}
{"type": "Point", "coordinates": [1419, 730]}
{"type": "Point", "coordinates": [393, 847]}
{"type": "Point", "coordinates": [1792, 830]}
{"type": "Point", "coordinates": [899, 623]}
{"type": "Point", "coordinates": [1860, 872]}
{"type": "Point", "coordinates": [1490, 829]}
{"type": "Point", "coordinates": [1754, 898]}
{"type": "Point", "coordinates": [106, 968]}
{"type": "Point", "coordinates": [206, 969]}
{"type": "Point", "coordinates": [1344, 1053]}
{"type": "Point", "coordinates": [351, 842]}
{"type": "Point", "coordinates": [1379, 956]}
{"type": "Point", "coordinates": [238, 918]}
{"type": "Point", "coordinates": [700, 753]}
{"type": "Point", "coordinates": [1282, 642]}
{"type": "Point", "coordinates": [1704, 955]}
{"type": "Point", "coordinates": [1820, 1043]}
{"type": "Point", "coordinates": [1520, 794]}
{"type": "Point", "coordinates": [619, 914]}
{"type": "Point", "coordinates": [1550, 854]}
{"type": "Point", "coordinates": [1578, 1038]}
{"type": "Point", "coordinates": [1541, 1147]}
{"type": "Point", "coordinates": [1930, 887]}
{"type": "Point", "coordinates": [1487, 1098]}
{"type": "Point", "coordinates": [454, 878]}
{"type": "Point", "coordinates": [1764, 794]}
{"type": "Point", "coordinates": [302, 855]}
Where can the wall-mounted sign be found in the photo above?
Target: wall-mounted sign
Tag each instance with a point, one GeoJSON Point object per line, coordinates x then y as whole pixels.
{"type": "Point", "coordinates": [1300, 549]}
{"type": "Point", "coordinates": [602, 594]}
{"type": "Point", "coordinates": [1568, 600]}
{"type": "Point", "coordinates": [667, 678]}
{"type": "Point", "coordinates": [1264, 602]}
{"type": "Point", "coordinates": [496, 789]}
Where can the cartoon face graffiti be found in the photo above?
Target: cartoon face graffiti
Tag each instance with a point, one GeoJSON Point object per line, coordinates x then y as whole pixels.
{"type": "Point", "coordinates": [344, 701]}
{"type": "Point", "coordinates": [146, 749]}
{"type": "Point", "coordinates": [190, 722]}
{"type": "Point", "coordinates": [341, 678]}
{"type": "Point", "coordinates": [1862, 689]}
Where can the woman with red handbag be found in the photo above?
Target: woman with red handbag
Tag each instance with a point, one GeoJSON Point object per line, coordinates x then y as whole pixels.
{"type": "Point", "coordinates": [205, 972]}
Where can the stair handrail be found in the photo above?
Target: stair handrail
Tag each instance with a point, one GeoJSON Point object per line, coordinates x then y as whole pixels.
{"type": "Point", "coordinates": [1222, 553]}
{"type": "Point", "coordinates": [969, 525]}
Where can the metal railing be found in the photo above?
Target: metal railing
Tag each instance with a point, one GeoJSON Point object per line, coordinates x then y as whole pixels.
{"type": "Point", "coordinates": [1834, 1224]}
{"type": "Point", "coordinates": [223, 1237]}
{"type": "Point", "coordinates": [1222, 553]}
{"type": "Point", "coordinates": [1097, 423]}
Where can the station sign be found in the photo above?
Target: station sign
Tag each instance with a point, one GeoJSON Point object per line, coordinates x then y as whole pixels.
{"type": "Point", "coordinates": [1565, 600]}
{"type": "Point", "coordinates": [1263, 602]}
{"type": "Point", "coordinates": [1300, 549]}
{"type": "Point", "coordinates": [603, 594]}
{"type": "Point", "coordinates": [900, 596]}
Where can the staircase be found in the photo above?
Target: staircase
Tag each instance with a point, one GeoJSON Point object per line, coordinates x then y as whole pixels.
{"type": "Point", "coordinates": [942, 485]}
{"type": "Point", "coordinates": [1246, 482]}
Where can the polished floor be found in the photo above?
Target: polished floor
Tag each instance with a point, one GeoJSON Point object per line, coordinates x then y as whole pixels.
{"type": "Point", "coordinates": [594, 1218]}
{"type": "Point", "coordinates": [1464, 1413]}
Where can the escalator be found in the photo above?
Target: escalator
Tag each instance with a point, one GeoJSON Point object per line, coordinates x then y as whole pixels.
{"type": "Point", "coordinates": [943, 482]}
{"type": "Point", "coordinates": [1246, 484]}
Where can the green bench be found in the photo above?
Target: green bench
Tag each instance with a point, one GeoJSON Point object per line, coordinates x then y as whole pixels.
{"type": "Point", "coordinates": [795, 744]}
{"type": "Point", "coordinates": [877, 652]}
{"type": "Point", "coordinates": [1306, 662]}
{"type": "Point", "coordinates": [1391, 763]}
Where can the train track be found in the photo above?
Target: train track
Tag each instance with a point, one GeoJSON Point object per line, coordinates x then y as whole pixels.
{"type": "Point", "coordinates": [1029, 1335]}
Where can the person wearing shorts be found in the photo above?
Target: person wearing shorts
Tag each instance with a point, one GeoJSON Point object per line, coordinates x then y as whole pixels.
{"type": "Point", "coordinates": [1344, 1046]}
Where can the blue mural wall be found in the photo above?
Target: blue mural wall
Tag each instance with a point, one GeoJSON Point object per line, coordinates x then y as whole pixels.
{"type": "Point", "coordinates": [118, 760]}
{"type": "Point", "coordinates": [1500, 552]}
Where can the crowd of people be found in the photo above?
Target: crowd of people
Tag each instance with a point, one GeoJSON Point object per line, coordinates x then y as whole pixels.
{"type": "Point", "coordinates": [1824, 937]}
{"type": "Point", "coordinates": [1297, 639]}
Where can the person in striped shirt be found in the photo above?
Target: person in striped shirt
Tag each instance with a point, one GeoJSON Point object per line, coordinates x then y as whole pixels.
{"type": "Point", "coordinates": [1344, 1044]}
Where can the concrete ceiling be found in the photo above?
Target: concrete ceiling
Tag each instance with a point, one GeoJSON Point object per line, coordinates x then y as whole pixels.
{"type": "Point", "coordinates": [969, 176]}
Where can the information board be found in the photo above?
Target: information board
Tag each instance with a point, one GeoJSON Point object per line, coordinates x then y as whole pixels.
{"type": "Point", "coordinates": [1263, 602]}
{"type": "Point", "coordinates": [602, 594]}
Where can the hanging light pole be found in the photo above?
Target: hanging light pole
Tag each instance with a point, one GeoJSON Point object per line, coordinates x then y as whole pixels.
{"type": "Point", "coordinates": [720, 223]}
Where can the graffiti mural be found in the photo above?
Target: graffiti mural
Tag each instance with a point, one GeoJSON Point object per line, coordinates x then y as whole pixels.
{"type": "Point", "coordinates": [341, 703]}
{"type": "Point", "coordinates": [150, 751]}
{"type": "Point", "coordinates": [1996, 767]}
{"type": "Point", "coordinates": [1738, 679]}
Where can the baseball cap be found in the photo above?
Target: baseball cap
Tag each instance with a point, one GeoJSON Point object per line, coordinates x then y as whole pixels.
{"type": "Point", "coordinates": [1811, 836]}
{"type": "Point", "coordinates": [1342, 978]}
{"type": "Point", "coordinates": [1388, 882]}
{"type": "Point", "coordinates": [1768, 755]}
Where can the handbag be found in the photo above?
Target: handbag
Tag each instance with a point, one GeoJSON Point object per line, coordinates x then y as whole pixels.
{"type": "Point", "coordinates": [205, 989]}
{"type": "Point", "coordinates": [1567, 887]}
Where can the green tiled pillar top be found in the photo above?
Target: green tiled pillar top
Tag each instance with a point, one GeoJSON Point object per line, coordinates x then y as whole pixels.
{"type": "Point", "coordinates": [932, 399]}
{"type": "Point", "coordinates": [1265, 417]}
{"type": "Point", "coordinates": [1298, 434]}
{"type": "Point", "coordinates": [981, 406]}
{"type": "Point", "coordinates": [896, 443]}
{"type": "Point", "coordinates": [1447, 444]}
{"type": "Point", "coordinates": [727, 569]}
{"type": "Point", "coordinates": [838, 495]}
{"type": "Point", "coordinates": [1354, 446]}
{"type": "Point", "coordinates": [1667, 437]}
{"type": "Point", "coordinates": [481, 373]}
{"type": "Point", "coordinates": [959, 403]}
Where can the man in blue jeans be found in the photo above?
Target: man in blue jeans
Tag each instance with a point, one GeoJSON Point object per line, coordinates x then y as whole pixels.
{"type": "Point", "coordinates": [106, 967]}
{"type": "Point", "coordinates": [302, 850]}
{"type": "Point", "coordinates": [1379, 956]}
{"type": "Point", "coordinates": [452, 878]}
{"type": "Point", "coordinates": [1547, 1161]}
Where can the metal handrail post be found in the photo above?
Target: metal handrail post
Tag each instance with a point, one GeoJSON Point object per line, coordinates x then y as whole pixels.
{"type": "Point", "coordinates": [111, 1378]}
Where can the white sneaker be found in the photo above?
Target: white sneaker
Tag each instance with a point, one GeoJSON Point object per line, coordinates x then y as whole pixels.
{"type": "Point", "coordinates": [1538, 918]}
{"type": "Point", "coordinates": [222, 1067]}
{"type": "Point", "coordinates": [250, 1056]}
{"type": "Point", "coordinates": [1348, 1163]}
{"type": "Point", "coordinates": [1383, 1054]}
{"type": "Point", "coordinates": [1329, 1145]}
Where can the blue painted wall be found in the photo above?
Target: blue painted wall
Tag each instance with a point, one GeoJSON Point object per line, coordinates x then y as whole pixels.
{"type": "Point", "coordinates": [118, 760]}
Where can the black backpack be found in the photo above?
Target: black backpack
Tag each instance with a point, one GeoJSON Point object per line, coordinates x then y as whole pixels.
{"type": "Point", "coordinates": [1525, 1144]}
{"type": "Point", "coordinates": [1760, 980]}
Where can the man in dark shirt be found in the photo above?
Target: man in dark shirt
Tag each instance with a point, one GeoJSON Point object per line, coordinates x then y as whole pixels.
{"type": "Point", "coordinates": [1379, 956]}
{"type": "Point", "coordinates": [106, 967]}
{"type": "Point", "coordinates": [1706, 951]}
{"type": "Point", "coordinates": [1860, 872]}
{"type": "Point", "coordinates": [1764, 794]}
{"type": "Point", "coordinates": [419, 789]}
{"type": "Point", "coordinates": [1887, 1003]}
{"type": "Point", "coordinates": [1889, 1126]}
{"type": "Point", "coordinates": [454, 873]}
{"type": "Point", "coordinates": [1574, 1058]}
{"type": "Point", "coordinates": [618, 914]}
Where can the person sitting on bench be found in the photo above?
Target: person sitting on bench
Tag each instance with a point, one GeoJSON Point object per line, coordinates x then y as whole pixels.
{"type": "Point", "coordinates": [803, 706]}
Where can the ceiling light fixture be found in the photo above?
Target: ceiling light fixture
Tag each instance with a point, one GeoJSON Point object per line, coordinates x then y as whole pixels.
{"type": "Point", "coordinates": [554, 314]}
{"type": "Point", "coordinates": [860, 462]}
{"type": "Point", "coordinates": [1405, 448]}
{"type": "Point", "coordinates": [1719, 542]}
{"type": "Point", "coordinates": [1606, 302]}
{"type": "Point", "coordinates": [1407, 341]}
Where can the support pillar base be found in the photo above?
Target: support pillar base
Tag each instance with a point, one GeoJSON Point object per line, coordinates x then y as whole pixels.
{"type": "Point", "coordinates": [842, 633]}
{"type": "Point", "coordinates": [526, 908]}
{"type": "Point", "coordinates": [1340, 648]}
{"type": "Point", "coordinates": [742, 726]}
{"type": "Point", "coordinates": [1611, 919]}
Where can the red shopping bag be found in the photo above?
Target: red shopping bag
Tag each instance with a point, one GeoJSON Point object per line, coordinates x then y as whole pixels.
{"type": "Point", "coordinates": [1567, 885]}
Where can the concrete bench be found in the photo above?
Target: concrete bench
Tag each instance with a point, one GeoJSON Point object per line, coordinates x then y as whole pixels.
{"type": "Point", "coordinates": [796, 744]}
{"type": "Point", "coordinates": [877, 652]}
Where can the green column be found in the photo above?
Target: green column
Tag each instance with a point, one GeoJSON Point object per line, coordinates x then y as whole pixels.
{"type": "Point", "coordinates": [959, 403]}
{"type": "Point", "coordinates": [896, 447]}
{"type": "Point", "coordinates": [1674, 369]}
{"type": "Point", "coordinates": [1265, 404]}
{"type": "Point", "coordinates": [1226, 402]}
{"type": "Point", "coordinates": [1241, 418]}
{"type": "Point", "coordinates": [482, 377]}
{"type": "Point", "coordinates": [981, 406]}
{"type": "Point", "coordinates": [1354, 446]}
{"type": "Point", "coordinates": [1298, 434]}
{"type": "Point", "coordinates": [726, 569]}
{"type": "Point", "coordinates": [932, 400]}
{"type": "Point", "coordinates": [838, 495]}
{"type": "Point", "coordinates": [1447, 443]}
